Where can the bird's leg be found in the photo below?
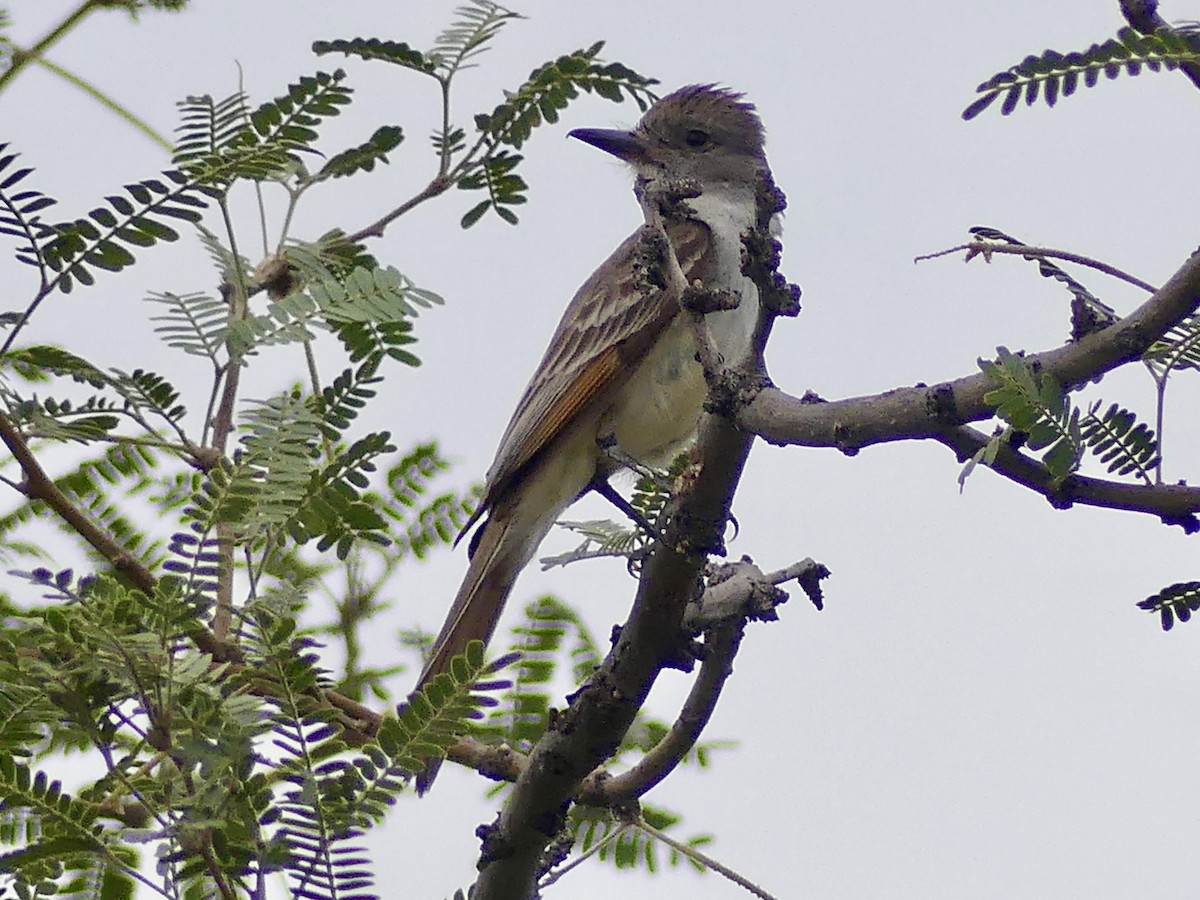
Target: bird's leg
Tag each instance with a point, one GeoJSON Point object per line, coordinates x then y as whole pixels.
{"type": "Point", "coordinates": [612, 450]}
{"type": "Point", "coordinates": [609, 447]}
{"type": "Point", "coordinates": [601, 486]}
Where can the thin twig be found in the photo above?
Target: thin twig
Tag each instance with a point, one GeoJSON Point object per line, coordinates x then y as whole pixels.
{"type": "Point", "coordinates": [447, 176]}
{"type": "Point", "coordinates": [985, 249]}
{"type": "Point", "coordinates": [703, 859]}
{"type": "Point", "coordinates": [21, 58]}
{"type": "Point", "coordinates": [439, 185]}
{"type": "Point", "coordinates": [583, 857]}
{"type": "Point", "coordinates": [108, 103]}
{"type": "Point", "coordinates": [185, 453]}
{"type": "Point", "coordinates": [222, 428]}
{"type": "Point", "coordinates": [1160, 414]}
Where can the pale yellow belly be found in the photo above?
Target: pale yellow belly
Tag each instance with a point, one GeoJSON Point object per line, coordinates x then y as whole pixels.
{"type": "Point", "coordinates": [657, 411]}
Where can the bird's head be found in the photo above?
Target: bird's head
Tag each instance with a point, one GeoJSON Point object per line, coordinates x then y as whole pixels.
{"type": "Point", "coordinates": [699, 132]}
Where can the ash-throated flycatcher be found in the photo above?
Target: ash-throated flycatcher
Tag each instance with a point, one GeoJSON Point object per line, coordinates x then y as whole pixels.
{"type": "Point", "coordinates": [622, 363]}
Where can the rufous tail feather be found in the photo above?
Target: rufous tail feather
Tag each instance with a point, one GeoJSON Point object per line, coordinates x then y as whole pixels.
{"type": "Point", "coordinates": [476, 610]}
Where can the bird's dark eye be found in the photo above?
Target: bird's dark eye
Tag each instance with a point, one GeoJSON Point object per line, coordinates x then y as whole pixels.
{"type": "Point", "coordinates": [695, 137]}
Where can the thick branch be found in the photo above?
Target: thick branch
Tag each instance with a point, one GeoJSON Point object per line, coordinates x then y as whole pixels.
{"type": "Point", "coordinates": [721, 644]}
{"type": "Point", "coordinates": [1176, 504]}
{"type": "Point", "coordinates": [590, 731]}
{"type": "Point", "coordinates": [38, 485]}
{"type": "Point", "coordinates": [934, 412]}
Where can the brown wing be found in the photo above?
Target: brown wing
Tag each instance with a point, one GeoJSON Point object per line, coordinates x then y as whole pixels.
{"type": "Point", "coordinates": [609, 325]}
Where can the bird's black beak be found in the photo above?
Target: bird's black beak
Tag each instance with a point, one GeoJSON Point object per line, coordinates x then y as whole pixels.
{"type": "Point", "coordinates": [626, 145]}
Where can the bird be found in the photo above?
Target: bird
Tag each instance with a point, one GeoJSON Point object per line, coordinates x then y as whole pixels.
{"type": "Point", "coordinates": [621, 366]}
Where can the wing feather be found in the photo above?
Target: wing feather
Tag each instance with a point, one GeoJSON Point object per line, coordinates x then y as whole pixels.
{"type": "Point", "coordinates": [610, 324]}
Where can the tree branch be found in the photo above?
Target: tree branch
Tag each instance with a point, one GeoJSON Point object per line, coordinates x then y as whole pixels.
{"type": "Point", "coordinates": [933, 412]}
{"type": "Point", "coordinates": [721, 643]}
{"type": "Point", "coordinates": [985, 248]}
{"type": "Point", "coordinates": [1175, 504]}
{"type": "Point", "coordinates": [739, 593]}
{"type": "Point", "coordinates": [438, 185]}
{"type": "Point", "coordinates": [38, 485]}
{"type": "Point", "coordinates": [22, 58]}
{"type": "Point", "coordinates": [1143, 16]}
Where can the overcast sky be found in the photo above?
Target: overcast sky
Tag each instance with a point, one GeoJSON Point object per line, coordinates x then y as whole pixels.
{"type": "Point", "coordinates": [981, 710]}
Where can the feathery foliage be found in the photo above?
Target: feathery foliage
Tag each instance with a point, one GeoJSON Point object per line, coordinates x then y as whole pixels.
{"type": "Point", "coordinates": [1176, 601]}
{"type": "Point", "coordinates": [433, 523]}
{"type": "Point", "coordinates": [223, 141]}
{"type": "Point", "coordinates": [548, 90]}
{"type": "Point", "coordinates": [489, 163]}
{"type": "Point", "coordinates": [1178, 350]}
{"type": "Point", "coordinates": [1037, 412]}
{"type": "Point", "coordinates": [19, 210]}
{"type": "Point", "coordinates": [1040, 417]}
{"type": "Point", "coordinates": [437, 716]}
{"type": "Point", "coordinates": [165, 639]}
{"type": "Point", "coordinates": [364, 156]}
{"type": "Point", "coordinates": [1124, 445]}
{"type": "Point", "coordinates": [1053, 74]}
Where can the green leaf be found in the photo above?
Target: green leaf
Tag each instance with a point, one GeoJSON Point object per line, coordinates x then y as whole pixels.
{"type": "Point", "coordinates": [1176, 601]}
{"type": "Point", "coordinates": [395, 52]}
{"type": "Point", "coordinates": [79, 245]}
{"type": "Point", "coordinates": [1036, 405]}
{"type": "Point", "coordinates": [363, 157]}
{"type": "Point", "coordinates": [1052, 74]}
{"type": "Point", "coordinates": [1124, 445]}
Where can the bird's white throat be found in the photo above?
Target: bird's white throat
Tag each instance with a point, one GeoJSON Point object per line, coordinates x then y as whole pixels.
{"type": "Point", "coordinates": [729, 210]}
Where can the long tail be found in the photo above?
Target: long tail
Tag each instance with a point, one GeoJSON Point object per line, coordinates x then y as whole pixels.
{"type": "Point", "coordinates": [480, 599]}
{"type": "Point", "coordinates": [519, 519]}
{"type": "Point", "coordinates": [498, 558]}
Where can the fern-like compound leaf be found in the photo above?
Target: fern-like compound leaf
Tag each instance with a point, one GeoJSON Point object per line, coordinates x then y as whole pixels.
{"type": "Point", "coordinates": [395, 52]}
{"type": "Point", "coordinates": [101, 239]}
{"type": "Point", "coordinates": [1052, 74]}
{"type": "Point", "coordinates": [478, 23]}
{"type": "Point", "coordinates": [19, 211]}
{"type": "Point", "coordinates": [433, 719]}
{"type": "Point", "coordinates": [1179, 348]}
{"type": "Point", "coordinates": [60, 815]}
{"type": "Point", "coordinates": [292, 118]}
{"type": "Point", "coordinates": [1035, 405]}
{"type": "Point", "coordinates": [548, 90]}
{"type": "Point", "coordinates": [210, 127]}
{"type": "Point", "coordinates": [364, 157]}
{"type": "Point", "coordinates": [194, 323]}
{"type": "Point", "coordinates": [1124, 445]}
{"type": "Point", "coordinates": [1175, 601]}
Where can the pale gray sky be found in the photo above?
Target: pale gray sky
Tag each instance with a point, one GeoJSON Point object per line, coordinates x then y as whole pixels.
{"type": "Point", "coordinates": [980, 711]}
